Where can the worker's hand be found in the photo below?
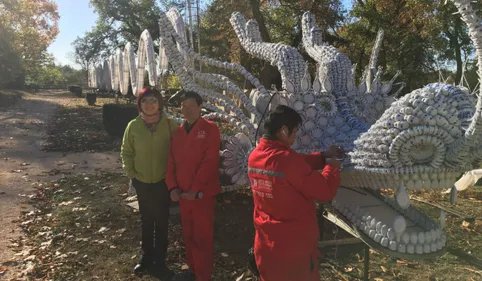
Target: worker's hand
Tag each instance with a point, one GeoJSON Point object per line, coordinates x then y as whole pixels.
{"type": "Point", "coordinates": [334, 152]}
{"type": "Point", "coordinates": [190, 195]}
{"type": "Point", "coordinates": [335, 163]}
{"type": "Point", "coordinates": [176, 194]}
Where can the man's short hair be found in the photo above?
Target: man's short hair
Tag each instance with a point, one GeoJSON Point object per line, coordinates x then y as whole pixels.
{"type": "Point", "coordinates": [280, 116]}
{"type": "Point", "coordinates": [190, 95]}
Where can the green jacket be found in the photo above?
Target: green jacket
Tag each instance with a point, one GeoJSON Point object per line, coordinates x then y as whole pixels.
{"type": "Point", "coordinates": [144, 153]}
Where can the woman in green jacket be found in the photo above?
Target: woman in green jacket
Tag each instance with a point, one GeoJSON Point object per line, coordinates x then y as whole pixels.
{"type": "Point", "coordinates": [144, 152]}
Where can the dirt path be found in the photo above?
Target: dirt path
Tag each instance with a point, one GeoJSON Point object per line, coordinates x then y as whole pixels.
{"type": "Point", "coordinates": [23, 165]}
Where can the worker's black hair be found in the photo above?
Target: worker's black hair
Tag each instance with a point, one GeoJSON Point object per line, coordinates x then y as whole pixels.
{"type": "Point", "coordinates": [280, 116]}
{"type": "Point", "coordinates": [190, 95]}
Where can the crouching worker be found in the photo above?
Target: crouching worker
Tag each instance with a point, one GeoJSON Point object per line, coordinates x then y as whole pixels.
{"type": "Point", "coordinates": [144, 152]}
{"type": "Point", "coordinates": [284, 185]}
{"type": "Point", "coordinates": [192, 178]}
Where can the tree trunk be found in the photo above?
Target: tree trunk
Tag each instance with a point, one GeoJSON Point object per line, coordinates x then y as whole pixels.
{"type": "Point", "coordinates": [255, 8]}
{"type": "Point", "coordinates": [458, 52]}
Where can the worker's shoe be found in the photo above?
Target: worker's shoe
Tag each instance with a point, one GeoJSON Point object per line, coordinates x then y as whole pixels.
{"type": "Point", "coordinates": [185, 276]}
{"type": "Point", "coordinates": [161, 272]}
{"type": "Point", "coordinates": [252, 263]}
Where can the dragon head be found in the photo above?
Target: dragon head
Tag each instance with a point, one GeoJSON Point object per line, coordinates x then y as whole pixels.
{"type": "Point", "coordinates": [424, 140]}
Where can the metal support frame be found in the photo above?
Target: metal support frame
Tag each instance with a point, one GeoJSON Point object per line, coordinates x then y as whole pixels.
{"type": "Point", "coordinates": [366, 263]}
{"type": "Point", "coordinates": [322, 213]}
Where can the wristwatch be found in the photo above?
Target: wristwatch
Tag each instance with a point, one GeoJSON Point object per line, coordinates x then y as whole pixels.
{"type": "Point", "coordinates": [199, 195]}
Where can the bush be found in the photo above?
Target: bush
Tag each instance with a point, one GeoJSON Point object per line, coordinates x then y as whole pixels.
{"type": "Point", "coordinates": [91, 98]}
{"type": "Point", "coordinates": [76, 90]}
{"type": "Point", "coordinates": [116, 117]}
{"type": "Point", "coordinates": [9, 98]}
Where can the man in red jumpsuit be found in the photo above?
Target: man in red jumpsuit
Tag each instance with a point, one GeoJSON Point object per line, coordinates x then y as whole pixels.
{"type": "Point", "coordinates": [193, 180]}
{"type": "Point", "coordinates": [284, 185]}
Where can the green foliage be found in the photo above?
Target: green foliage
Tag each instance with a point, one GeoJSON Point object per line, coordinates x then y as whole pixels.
{"type": "Point", "coordinates": [119, 22]}
{"type": "Point", "coordinates": [279, 21]}
{"type": "Point", "coordinates": [173, 82]}
{"type": "Point", "coordinates": [10, 62]}
{"type": "Point", "coordinates": [50, 74]}
{"type": "Point", "coordinates": [27, 28]}
{"type": "Point", "coordinates": [411, 31]}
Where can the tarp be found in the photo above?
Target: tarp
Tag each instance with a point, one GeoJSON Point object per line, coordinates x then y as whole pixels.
{"type": "Point", "coordinates": [467, 180]}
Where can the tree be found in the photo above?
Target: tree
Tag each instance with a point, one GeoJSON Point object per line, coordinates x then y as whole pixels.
{"type": "Point", "coordinates": [96, 45]}
{"type": "Point", "coordinates": [119, 22]}
{"type": "Point", "coordinates": [278, 20]}
{"type": "Point", "coordinates": [411, 34]}
{"type": "Point", "coordinates": [10, 63]}
{"type": "Point", "coordinates": [456, 44]}
{"type": "Point", "coordinates": [131, 18]}
{"type": "Point", "coordinates": [33, 26]}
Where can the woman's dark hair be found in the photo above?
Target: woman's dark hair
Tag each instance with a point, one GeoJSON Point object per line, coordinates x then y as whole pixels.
{"type": "Point", "coordinates": [190, 95]}
{"type": "Point", "coordinates": [280, 116]}
{"type": "Point", "coordinates": [146, 92]}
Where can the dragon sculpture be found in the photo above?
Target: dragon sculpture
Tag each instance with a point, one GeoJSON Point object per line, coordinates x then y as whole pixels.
{"type": "Point", "coordinates": [424, 140]}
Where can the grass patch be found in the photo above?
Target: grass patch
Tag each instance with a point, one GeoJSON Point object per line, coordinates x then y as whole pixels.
{"type": "Point", "coordinates": [83, 230]}
{"type": "Point", "coordinates": [9, 98]}
{"type": "Point", "coordinates": [78, 127]}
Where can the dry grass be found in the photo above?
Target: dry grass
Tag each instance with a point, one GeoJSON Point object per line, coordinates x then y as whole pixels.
{"type": "Point", "coordinates": [95, 236]}
{"type": "Point", "coordinates": [78, 127]}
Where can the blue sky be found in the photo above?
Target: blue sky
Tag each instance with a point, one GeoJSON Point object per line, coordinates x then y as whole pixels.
{"type": "Point", "coordinates": [76, 18]}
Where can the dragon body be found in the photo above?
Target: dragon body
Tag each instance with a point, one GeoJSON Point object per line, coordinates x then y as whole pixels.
{"type": "Point", "coordinates": [424, 140]}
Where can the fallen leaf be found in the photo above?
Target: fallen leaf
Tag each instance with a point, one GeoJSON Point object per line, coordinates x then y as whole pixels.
{"type": "Point", "coordinates": [184, 267]}
{"type": "Point", "coordinates": [3, 269]}
{"type": "Point", "coordinates": [120, 231]}
{"type": "Point", "coordinates": [103, 229]}
{"type": "Point", "coordinates": [348, 269]}
{"type": "Point", "coordinates": [378, 279]}
{"type": "Point", "coordinates": [66, 203]}
{"type": "Point", "coordinates": [359, 258]}
{"type": "Point", "coordinates": [240, 277]}
{"type": "Point", "coordinates": [384, 269]}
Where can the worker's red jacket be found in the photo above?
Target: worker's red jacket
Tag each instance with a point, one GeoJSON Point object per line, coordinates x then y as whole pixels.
{"type": "Point", "coordinates": [193, 161]}
{"type": "Point", "coordinates": [285, 185]}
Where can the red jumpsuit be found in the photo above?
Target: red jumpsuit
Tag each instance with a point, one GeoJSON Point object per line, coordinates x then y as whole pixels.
{"type": "Point", "coordinates": [193, 165]}
{"type": "Point", "coordinates": [284, 185]}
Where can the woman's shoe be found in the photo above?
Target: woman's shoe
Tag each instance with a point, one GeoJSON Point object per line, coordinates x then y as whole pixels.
{"type": "Point", "coordinates": [140, 269]}
{"type": "Point", "coordinates": [185, 276]}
